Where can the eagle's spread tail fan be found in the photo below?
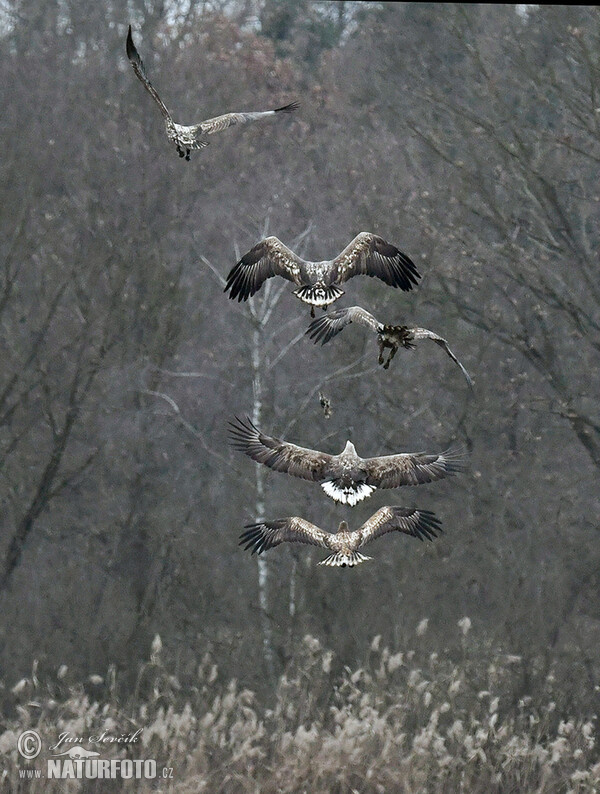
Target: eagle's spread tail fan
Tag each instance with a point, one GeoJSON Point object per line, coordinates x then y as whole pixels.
{"type": "Point", "coordinates": [402, 334]}
{"type": "Point", "coordinates": [347, 493]}
{"type": "Point", "coordinates": [318, 296]}
{"type": "Point", "coordinates": [344, 560]}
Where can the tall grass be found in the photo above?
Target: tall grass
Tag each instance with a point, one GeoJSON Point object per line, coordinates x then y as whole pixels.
{"type": "Point", "coordinates": [403, 721]}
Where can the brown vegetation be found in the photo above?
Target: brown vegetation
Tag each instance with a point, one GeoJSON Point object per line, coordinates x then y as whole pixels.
{"type": "Point", "coordinates": [468, 136]}
{"type": "Point", "coordinates": [403, 721]}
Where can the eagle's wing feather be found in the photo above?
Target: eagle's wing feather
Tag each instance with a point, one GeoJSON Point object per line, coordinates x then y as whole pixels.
{"type": "Point", "coordinates": [140, 71]}
{"type": "Point", "coordinates": [308, 464]}
{"type": "Point", "coordinates": [423, 333]}
{"type": "Point", "coordinates": [370, 255]}
{"type": "Point", "coordinates": [422, 524]}
{"type": "Point", "coordinates": [268, 258]}
{"type": "Point", "coordinates": [325, 328]}
{"type": "Point", "coordinates": [266, 534]}
{"type": "Point", "coordinates": [219, 123]}
{"type": "Point", "coordinates": [393, 471]}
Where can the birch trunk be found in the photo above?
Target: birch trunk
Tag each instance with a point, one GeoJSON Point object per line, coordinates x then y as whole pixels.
{"type": "Point", "coordinates": [259, 504]}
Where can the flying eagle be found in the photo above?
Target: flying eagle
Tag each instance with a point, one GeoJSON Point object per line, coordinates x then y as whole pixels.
{"type": "Point", "coordinates": [422, 524]}
{"type": "Point", "coordinates": [345, 477]}
{"type": "Point", "coordinates": [188, 138]}
{"type": "Point", "coordinates": [318, 282]}
{"type": "Point", "coordinates": [388, 336]}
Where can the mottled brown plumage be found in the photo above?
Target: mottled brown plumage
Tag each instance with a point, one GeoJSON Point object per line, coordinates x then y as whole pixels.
{"type": "Point", "coordinates": [264, 535]}
{"type": "Point", "coordinates": [391, 337]}
{"type": "Point", "coordinates": [346, 477]}
{"type": "Point", "coordinates": [318, 282]}
{"type": "Point", "coordinates": [185, 137]}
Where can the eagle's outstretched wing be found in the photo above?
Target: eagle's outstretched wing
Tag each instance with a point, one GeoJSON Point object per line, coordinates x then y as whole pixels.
{"type": "Point", "coordinates": [220, 123]}
{"type": "Point", "coordinates": [325, 328]}
{"type": "Point", "coordinates": [393, 471]}
{"type": "Point", "coordinates": [268, 258]}
{"type": "Point", "coordinates": [266, 534]}
{"type": "Point", "coordinates": [423, 333]}
{"type": "Point", "coordinates": [308, 464]}
{"type": "Point", "coordinates": [370, 255]}
{"type": "Point", "coordinates": [422, 524]}
{"type": "Point", "coordinates": [140, 71]}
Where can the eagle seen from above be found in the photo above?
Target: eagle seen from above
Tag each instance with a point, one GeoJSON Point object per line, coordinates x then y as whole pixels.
{"type": "Point", "coordinates": [318, 283]}
{"type": "Point", "coordinates": [388, 336]}
{"type": "Point", "coordinates": [190, 137]}
{"type": "Point", "coordinates": [346, 477]}
{"type": "Point", "coordinates": [422, 524]}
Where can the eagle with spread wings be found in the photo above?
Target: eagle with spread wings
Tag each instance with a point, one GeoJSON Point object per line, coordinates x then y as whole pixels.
{"type": "Point", "coordinates": [388, 336]}
{"type": "Point", "coordinates": [421, 524]}
{"type": "Point", "coordinates": [318, 283]}
{"type": "Point", "coordinates": [346, 477]}
{"type": "Point", "coordinates": [190, 137]}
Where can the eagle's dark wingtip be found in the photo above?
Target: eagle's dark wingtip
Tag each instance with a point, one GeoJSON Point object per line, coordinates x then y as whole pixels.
{"type": "Point", "coordinates": [288, 108]}
{"type": "Point", "coordinates": [313, 332]}
{"type": "Point", "coordinates": [132, 53]}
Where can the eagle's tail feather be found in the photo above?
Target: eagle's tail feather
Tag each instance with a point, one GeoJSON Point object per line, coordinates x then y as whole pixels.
{"type": "Point", "coordinates": [348, 493]}
{"type": "Point", "coordinates": [342, 559]}
{"type": "Point", "coordinates": [317, 295]}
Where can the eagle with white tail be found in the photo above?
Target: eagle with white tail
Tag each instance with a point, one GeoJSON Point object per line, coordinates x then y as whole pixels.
{"type": "Point", "coordinates": [422, 524]}
{"type": "Point", "coordinates": [391, 337]}
{"type": "Point", "coordinates": [346, 477]}
{"type": "Point", "coordinates": [184, 137]}
{"type": "Point", "coordinates": [318, 283]}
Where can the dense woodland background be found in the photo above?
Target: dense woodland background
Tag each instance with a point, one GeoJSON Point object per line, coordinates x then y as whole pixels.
{"type": "Point", "coordinates": [469, 136]}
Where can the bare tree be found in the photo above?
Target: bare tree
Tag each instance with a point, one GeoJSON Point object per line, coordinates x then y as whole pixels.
{"type": "Point", "coordinates": [519, 153]}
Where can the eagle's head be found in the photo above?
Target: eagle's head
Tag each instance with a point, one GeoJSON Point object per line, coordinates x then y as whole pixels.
{"type": "Point", "coordinates": [349, 449]}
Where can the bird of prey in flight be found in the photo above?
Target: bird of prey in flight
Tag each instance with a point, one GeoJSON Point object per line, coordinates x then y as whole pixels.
{"type": "Point", "coordinates": [388, 336]}
{"type": "Point", "coordinates": [346, 477]}
{"type": "Point", "coordinates": [318, 283]}
{"type": "Point", "coordinates": [422, 524]}
{"type": "Point", "coordinates": [191, 137]}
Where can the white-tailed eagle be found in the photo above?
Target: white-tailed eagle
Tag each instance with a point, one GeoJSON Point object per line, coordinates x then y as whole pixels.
{"type": "Point", "coordinates": [318, 282]}
{"type": "Point", "coordinates": [190, 137]}
{"type": "Point", "coordinates": [422, 524]}
{"type": "Point", "coordinates": [346, 477]}
{"type": "Point", "coordinates": [388, 336]}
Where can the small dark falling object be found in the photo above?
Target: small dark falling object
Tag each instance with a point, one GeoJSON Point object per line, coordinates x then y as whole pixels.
{"type": "Point", "coordinates": [325, 405]}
